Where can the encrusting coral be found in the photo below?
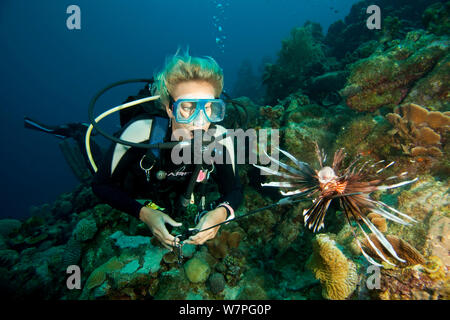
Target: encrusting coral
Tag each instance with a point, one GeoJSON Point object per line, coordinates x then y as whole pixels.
{"type": "Point", "coordinates": [336, 273]}
{"type": "Point", "coordinates": [421, 282]}
{"type": "Point", "coordinates": [221, 244]}
{"type": "Point", "coordinates": [386, 77]}
{"type": "Point", "coordinates": [98, 276]}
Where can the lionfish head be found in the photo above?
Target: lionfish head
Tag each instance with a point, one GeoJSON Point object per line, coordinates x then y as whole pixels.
{"type": "Point", "coordinates": [326, 174]}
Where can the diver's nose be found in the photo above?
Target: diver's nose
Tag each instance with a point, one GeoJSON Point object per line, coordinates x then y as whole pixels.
{"type": "Point", "coordinates": [200, 120]}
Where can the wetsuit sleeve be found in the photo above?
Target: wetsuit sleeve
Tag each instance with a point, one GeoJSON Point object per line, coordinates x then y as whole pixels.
{"type": "Point", "coordinates": [110, 191]}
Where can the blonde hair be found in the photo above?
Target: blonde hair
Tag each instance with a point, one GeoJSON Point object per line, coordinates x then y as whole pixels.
{"type": "Point", "coordinates": [179, 68]}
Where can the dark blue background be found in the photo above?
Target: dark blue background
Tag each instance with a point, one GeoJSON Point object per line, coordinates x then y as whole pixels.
{"type": "Point", "coordinates": [50, 73]}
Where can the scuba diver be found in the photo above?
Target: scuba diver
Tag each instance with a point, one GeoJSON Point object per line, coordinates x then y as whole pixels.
{"type": "Point", "coordinates": [146, 183]}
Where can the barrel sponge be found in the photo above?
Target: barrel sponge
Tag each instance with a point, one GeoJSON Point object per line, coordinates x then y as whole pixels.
{"type": "Point", "coordinates": [336, 273]}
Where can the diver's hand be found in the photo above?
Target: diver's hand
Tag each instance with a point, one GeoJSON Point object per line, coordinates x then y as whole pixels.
{"type": "Point", "coordinates": [156, 221]}
{"type": "Point", "coordinates": [211, 218]}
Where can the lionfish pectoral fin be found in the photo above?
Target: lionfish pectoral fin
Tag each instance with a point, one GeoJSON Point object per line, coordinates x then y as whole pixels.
{"type": "Point", "coordinates": [382, 239]}
{"type": "Point", "coordinates": [280, 184]}
{"type": "Point", "coordinates": [299, 192]}
{"type": "Point", "coordinates": [290, 193]}
{"type": "Point", "coordinates": [368, 258]}
{"type": "Point", "coordinates": [283, 165]}
{"type": "Point", "coordinates": [400, 184]}
{"type": "Point", "coordinates": [374, 247]}
{"type": "Point", "coordinates": [389, 216]}
{"type": "Point", "coordinates": [347, 205]}
{"type": "Point", "coordinates": [273, 172]}
{"type": "Point", "coordinates": [300, 164]}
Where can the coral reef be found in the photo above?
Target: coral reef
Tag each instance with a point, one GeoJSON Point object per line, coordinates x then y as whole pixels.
{"type": "Point", "coordinates": [336, 273]}
{"type": "Point", "coordinates": [435, 18]}
{"type": "Point", "coordinates": [399, 17]}
{"type": "Point", "coordinates": [386, 77]}
{"type": "Point", "coordinates": [426, 282]}
{"type": "Point", "coordinates": [72, 253]}
{"type": "Point", "coordinates": [7, 226]}
{"type": "Point", "coordinates": [220, 246]}
{"type": "Point", "coordinates": [396, 85]}
{"type": "Point", "coordinates": [422, 136]}
{"type": "Point", "coordinates": [324, 88]}
{"type": "Point", "coordinates": [433, 89]}
{"type": "Point", "coordinates": [427, 201]}
{"type": "Point", "coordinates": [300, 57]}
{"type": "Point", "coordinates": [98, 276]}
{"type": "Point", "coordinates": [85, 229]}
{"type": "Point", "coordinates": [123, 241]}
{"type": "Point", "coordinates": [423, 132]}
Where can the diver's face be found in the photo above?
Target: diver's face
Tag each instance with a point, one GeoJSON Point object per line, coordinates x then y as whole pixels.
{"type": "Point", "coordinates": [192, 89]}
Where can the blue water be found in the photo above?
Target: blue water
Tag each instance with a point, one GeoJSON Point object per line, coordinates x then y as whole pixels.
{"type": "Point", "coordinates": [50, 73]}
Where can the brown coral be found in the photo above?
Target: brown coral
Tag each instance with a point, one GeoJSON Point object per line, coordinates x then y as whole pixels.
{"type": "Point", "coordinates": [220, 246]}
{"type": "Point", "coordinates": [336, 273]}
{"type": "Point", "coordinates": [378, 221]}
{"type": "Point", "coordinates": [403, 249]}
{"type": "Point", "coordinates": [98, 276]}
{"type": "Point", "coordinates": [420, 132]}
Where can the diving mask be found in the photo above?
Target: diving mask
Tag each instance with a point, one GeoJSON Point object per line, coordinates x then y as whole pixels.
{"type": "Point", "coordinates": [198, 111]}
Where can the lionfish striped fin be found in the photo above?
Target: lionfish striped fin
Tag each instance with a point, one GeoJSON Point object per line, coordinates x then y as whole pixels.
{"type": "Point", "coordinates": [394, 210]}
{"type": "Point", "coordinates": [386, 214]}
{"type": "Point", "coordinates": [368, 258]}
{"type": "Point", "coordinates": [397, 176]}
{"type": "Point", "coordinates": [315, 215]}
{"type": "Point", "coordinates": [280, 184]}
{"type": "Point", "coordinates": [299, 192]}
{"type": "Point", "coordinates": [374, 247]}
{"type": "Point", "coordinates": [285, 166]}
{"type": "Point", "coordinates": [385, 167]}
{"type": "Point", "coordinates": [350, 207]}
{"type": "Point", "coordinates": [378, 162]}
{"type": "Point", "coordinates": [300, 164]}
{"type": "Point", "coordinates": [347, 206]}
{"type": "Point", "coordinates": [380, 237]}
{"type": "Point", "coordinates": [392, 186]}
{"type": "Point", "coordinates": [277, 173]}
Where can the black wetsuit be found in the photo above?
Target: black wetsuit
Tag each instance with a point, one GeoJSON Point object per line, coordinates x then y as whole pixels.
{"type": "Point", "coordinates": [128, 181]}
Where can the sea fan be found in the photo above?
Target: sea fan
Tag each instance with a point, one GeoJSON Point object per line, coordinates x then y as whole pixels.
{"type": "Point", "coordinates": [351, 185]}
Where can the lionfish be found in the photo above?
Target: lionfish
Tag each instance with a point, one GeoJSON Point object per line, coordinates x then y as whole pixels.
{"type": "Point", "coordinates": [351, 185]}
